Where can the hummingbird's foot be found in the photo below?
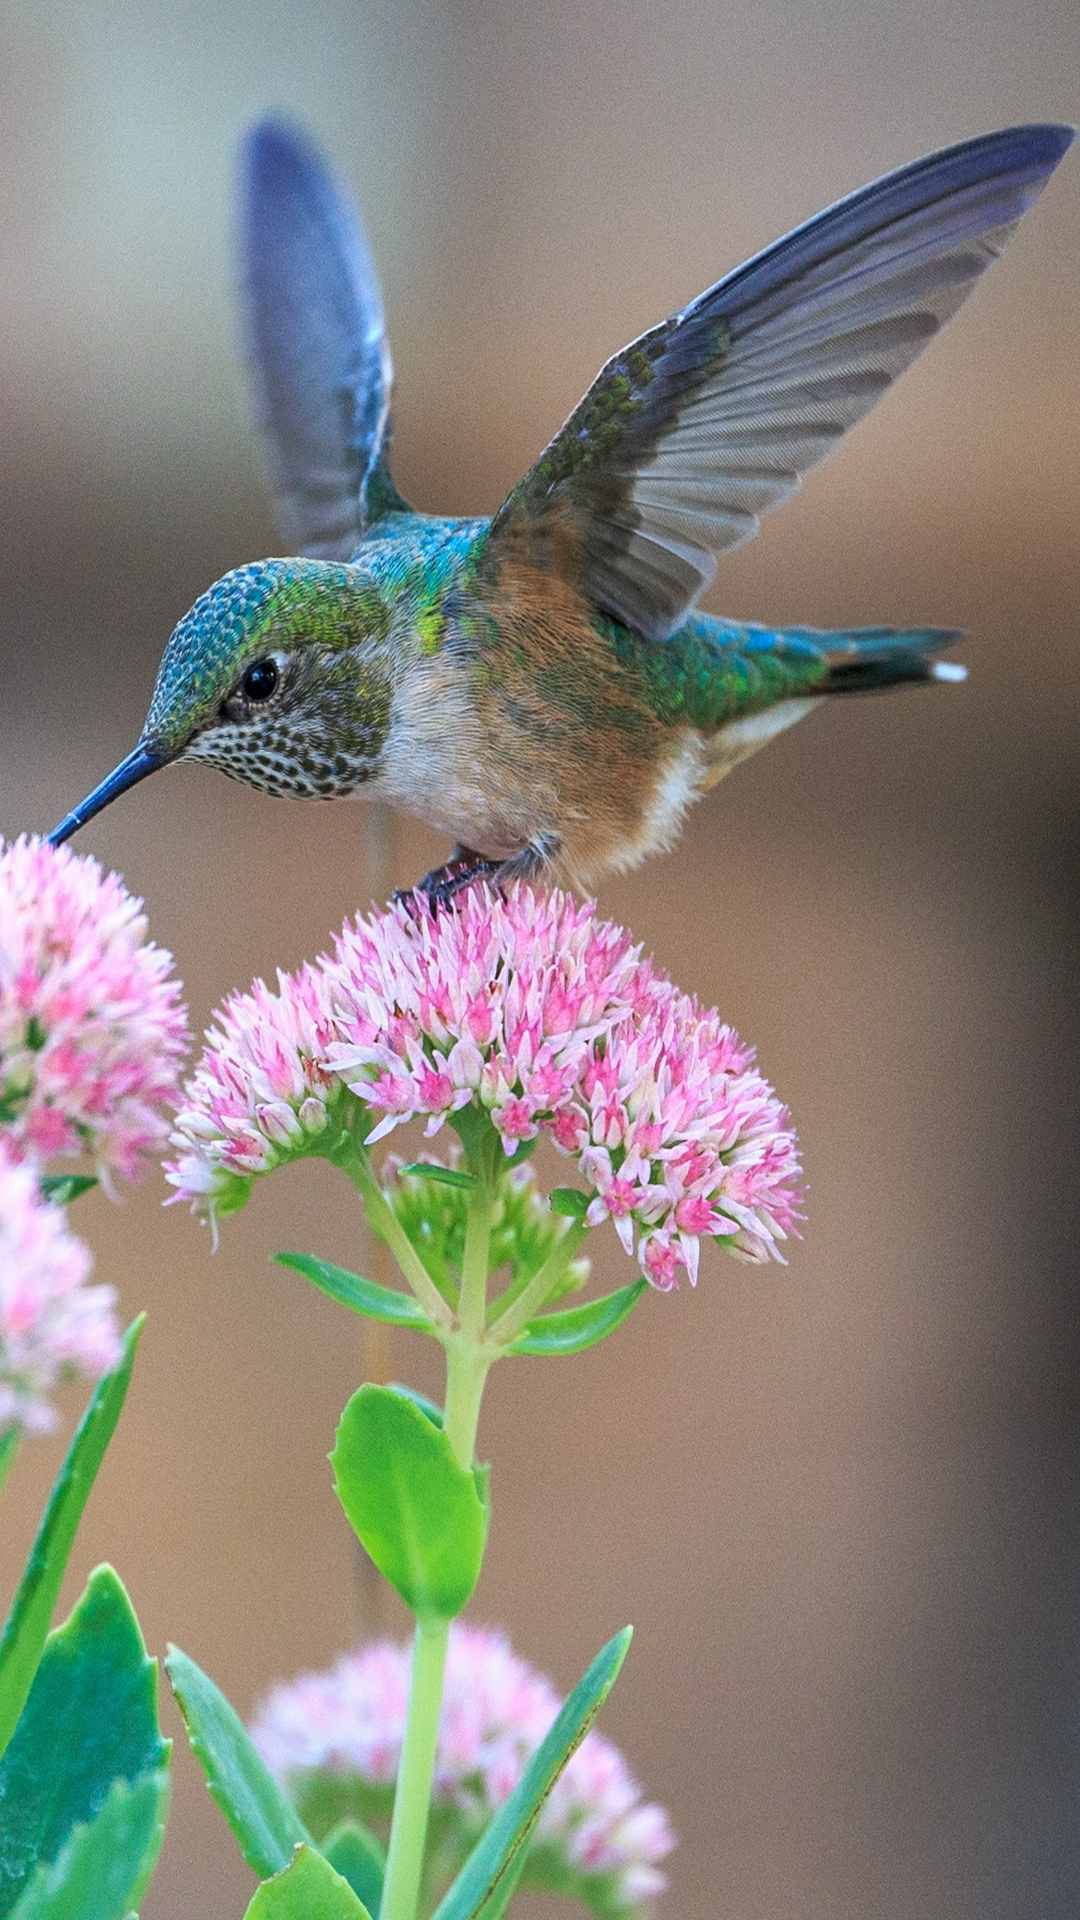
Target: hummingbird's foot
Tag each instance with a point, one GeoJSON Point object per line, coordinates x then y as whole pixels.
{"type": "Point", "coordinates": [443, 884]}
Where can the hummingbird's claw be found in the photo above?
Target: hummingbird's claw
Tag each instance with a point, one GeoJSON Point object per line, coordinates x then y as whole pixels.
{"type": "Point", "coordinates": [443, 884]}
{"type": "Point", "coordinates": [465, 867]}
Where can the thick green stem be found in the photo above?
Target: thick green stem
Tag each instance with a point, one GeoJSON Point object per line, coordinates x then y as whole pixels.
{"type": "Point", "coordinates": [412, 1798]}
{"type": "Point", "coordinates": [472, 1304]}
{"type": "Point", "coordinates": [540, 1287]}
{"type": "Point", "coordinates": [466, 1371]}
{"type": "Point", "coordinates": [467, 1362]}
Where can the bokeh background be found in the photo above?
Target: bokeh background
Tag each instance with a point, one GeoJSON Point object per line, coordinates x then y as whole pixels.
{"type": "Point", "coordinates": [836, 1499]}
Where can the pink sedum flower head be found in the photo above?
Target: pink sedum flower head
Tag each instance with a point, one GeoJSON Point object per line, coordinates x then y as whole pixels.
{"type": "Point", "coordinates": [51, 1323]}
{"type": "Point", "coordinates": [261, 1093]}
{"type": "Point", "coordinates": [544, 1017]}
{"type": "Point", "coordinates": [499, 1001]}
{"type": "Point", "coordinates": [596, 1836]}
{"type": "Point", "coordinates": [548, 1017]}
{"type": "Point", "coordinates": [92, 1030]}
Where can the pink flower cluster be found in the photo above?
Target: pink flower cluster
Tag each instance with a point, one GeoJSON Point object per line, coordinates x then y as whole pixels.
{"type": "Point", "coordinates": [92, 1035]}
{"type": "Point", "coordinates": [496, 1710]}
{"type": "Point", "coordinates": [261, 1091]}
{"type": "Point", "coordinates": [51, 1323]}
{"type": "Point", "coordinates": [502, 1000]}
{"type": "Point", "coordinates": [92, 1031]}
{"type": "Point", "coordinates": [548, 1019]}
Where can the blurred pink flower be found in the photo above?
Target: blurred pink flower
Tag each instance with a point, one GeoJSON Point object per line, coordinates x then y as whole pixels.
{"type": "Point", "coordinates": [92, 1031]}
{"type": "Point", "coordinates": [349, 1722]}
{"type": "Point", "coordinates": [51, 1323]}
{"type": "Point", "coordinates": [545, 1016]}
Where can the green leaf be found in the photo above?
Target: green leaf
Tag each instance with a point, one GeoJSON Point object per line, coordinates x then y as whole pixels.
{"type": "Point", "coordinates": [481, 1474]}
{"type": "Point", "coordinates": [412, 1506]}
{"type": "Point", "coordinates": [106, 1863]}
{"type": "Point", "coordinates": [9, 1447]}
{"type": "Point", "coordinates": [263, 1819]}
{"type": "Point", "coordinates": [443, 1176]}
{"type": "Point", "coordinates": [429, 1408]}
{"type": "Point", "coordinates": [360, 1858]}
{"type": "Point", "coordinates": [90, 1719]}
{"type": "Point", "coordinates": [63, 1188]}
{"type": "Point", "coordinates": [31, 1611]}
{"type": "Point", "coordinates": [569, 1201]}
{"type": "Point", "coordinates": [480, 1886]}
{"type": "Point", "coordinates": [500, 1896]}
{"type": "Point", "coordinates": [308, 1889]}
{"type": "Point", "coordinates": [579, 1327]}
{"type": "Point", "coordinates": [363, 1296]}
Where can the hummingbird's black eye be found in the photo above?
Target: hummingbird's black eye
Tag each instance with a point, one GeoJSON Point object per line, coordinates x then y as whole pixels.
{"type": "Point", "coordinates": [260, 680]}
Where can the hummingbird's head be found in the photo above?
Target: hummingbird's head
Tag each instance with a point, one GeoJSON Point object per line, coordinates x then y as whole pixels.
{"type": "Point", "coordinates": [279, 675]}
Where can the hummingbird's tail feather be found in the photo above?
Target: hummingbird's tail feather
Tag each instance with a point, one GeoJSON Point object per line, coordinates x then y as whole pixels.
{"type": "Point", "coordinates": [871, 658]}
{"type": "Point", "coordinates": [762, 682]}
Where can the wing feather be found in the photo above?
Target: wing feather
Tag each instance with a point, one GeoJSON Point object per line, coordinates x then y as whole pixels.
{"type": "Point", "coordinates": [316, 335]}
{"type": "Point", "coordinates": [713, 417]}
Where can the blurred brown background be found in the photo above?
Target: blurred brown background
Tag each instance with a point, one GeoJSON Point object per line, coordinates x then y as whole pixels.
{"type": "Point", "coordinates": [837, 1500]}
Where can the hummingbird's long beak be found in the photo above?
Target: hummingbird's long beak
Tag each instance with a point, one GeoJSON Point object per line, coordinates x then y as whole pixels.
{"type": "Point", "coordinates": [141, 761]}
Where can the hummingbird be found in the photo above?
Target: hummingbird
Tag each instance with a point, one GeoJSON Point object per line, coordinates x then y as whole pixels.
{"type": "Point", "coordinates": [539, 686]}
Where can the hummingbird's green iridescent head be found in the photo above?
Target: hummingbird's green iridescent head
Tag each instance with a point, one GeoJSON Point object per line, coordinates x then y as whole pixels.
{"type": "Point", "coordinates": [279, 676]}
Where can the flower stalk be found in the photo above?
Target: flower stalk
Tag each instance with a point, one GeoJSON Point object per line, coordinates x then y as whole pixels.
{"type": "Point", "coordinates": [468, 1356]}
{"type": "Point", "coordinates": [538, 1291]}
{"type": "Point", "coordinates": [472, 1306]}
{"type": "Point", "coordinates": [412, 1799]}
{"type": "Point", "coordinates": [384, 1221]}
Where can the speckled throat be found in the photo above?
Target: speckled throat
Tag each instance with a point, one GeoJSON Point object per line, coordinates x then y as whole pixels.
{"type": "Point", "coordinates": [311, 756]}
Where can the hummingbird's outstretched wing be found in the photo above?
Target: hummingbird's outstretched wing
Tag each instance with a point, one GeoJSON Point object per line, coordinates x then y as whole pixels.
{"type": "Point", "coordinates": [697, 427]}
{"type": "Point", "coordinates": [317, 341]}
